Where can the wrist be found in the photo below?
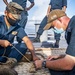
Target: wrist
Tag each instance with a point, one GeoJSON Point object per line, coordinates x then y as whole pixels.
{"type": "Point", "coordinates": [0, 42]}
{"type": "Point", "coordinates": [44, 64]}
{"type": "Point", "coordinates": [33, 55]}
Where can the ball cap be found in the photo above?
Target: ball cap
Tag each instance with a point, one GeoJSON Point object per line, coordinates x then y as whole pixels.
{"type": "Point", "coordinates": [54, 14]}
{"type": "Point", "coordinates": [15, 9]}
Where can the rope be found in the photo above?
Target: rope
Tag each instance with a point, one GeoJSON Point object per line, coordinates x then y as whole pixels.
{"type": "Point", "coordinates": [21, 53]}
{"type": "Point", "coordinates": [32, 66]}
{"type": "Point", "coordinates": [4, 51]}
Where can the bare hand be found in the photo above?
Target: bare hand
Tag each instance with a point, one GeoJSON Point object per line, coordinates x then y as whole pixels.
{"type": "Point", "coordinates": [5, 43]}
{"type": "Point", "coordinates": [52, 57]}
{"type": "Point", "coordinates": [38, 64]}
{"type": "Point", "coordinates": [26, 9]}
{"type": "Point", "coordinates": [35, 58]}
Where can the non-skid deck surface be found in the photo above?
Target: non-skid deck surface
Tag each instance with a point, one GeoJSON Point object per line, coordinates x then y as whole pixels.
{"type": "Point", "coordinates": [24, 67]}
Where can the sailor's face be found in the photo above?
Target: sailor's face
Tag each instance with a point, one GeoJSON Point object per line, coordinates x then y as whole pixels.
{"type": "Point", "coordinates": [10, 18]}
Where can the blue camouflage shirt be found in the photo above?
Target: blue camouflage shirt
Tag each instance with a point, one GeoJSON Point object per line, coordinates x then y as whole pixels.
{"type": "Point", "coordinates": [23, 3]}
{"type": "Point", "coordinates": [70, 37]}
{"type": "Point", "coordinates": [9, 34]}
{"type": "Point", "coordinates": [57, 4]}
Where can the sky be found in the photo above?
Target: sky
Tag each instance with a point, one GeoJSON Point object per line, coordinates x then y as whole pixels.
{"type": "Point", "coordinates": [40, 9]}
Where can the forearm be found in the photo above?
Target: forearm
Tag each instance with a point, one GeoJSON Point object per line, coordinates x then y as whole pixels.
{"type": "Point", "coordinates": [65, 63]}
{"type": "Point", "coordinates": [29, 45]}
{"type": "Point", "coordinates": [32, 4]}
{"type": "Point", "coordinates": [5, 43]}
{"type": "Point", "coordinates": [5, 1]}
{"type": "Point", "coordinates": [31, 48]}
{"type": "Point", "coordinates": [48, 10]}
{"type": "Point", "coordinates": [64, 8]}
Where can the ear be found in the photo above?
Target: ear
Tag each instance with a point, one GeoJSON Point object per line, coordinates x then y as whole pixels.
{"type": "Point", "coordinates": [54, 22]}
{"type": "Point", "coordinates": [59, 19]}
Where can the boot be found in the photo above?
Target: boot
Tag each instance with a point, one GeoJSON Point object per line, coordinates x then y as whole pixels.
{"type": "Point", "coordinates": [37, 38]}
{"type": "Point", "coordinates": [56, 44]}
{"type": "Point", "coordinates": [4, 70]}
{"type": "Point", "coordinates": [11, 62]}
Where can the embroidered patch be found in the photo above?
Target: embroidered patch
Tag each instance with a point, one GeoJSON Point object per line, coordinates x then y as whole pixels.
{"type": "Point", "coordinates": [14, 33]}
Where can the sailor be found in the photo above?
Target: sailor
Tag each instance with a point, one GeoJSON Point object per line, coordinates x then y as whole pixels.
{"type": "Point", "coordinates": [9, 28]}
{"type": "Point", "coordinates": [61, 64]}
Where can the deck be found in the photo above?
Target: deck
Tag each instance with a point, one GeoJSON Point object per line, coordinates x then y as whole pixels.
{"type": "Point", "coordinates": [44, 48]}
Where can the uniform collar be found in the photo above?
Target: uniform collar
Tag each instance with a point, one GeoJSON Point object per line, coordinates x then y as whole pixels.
{"type": "Point", "coordinates": [11, 27]}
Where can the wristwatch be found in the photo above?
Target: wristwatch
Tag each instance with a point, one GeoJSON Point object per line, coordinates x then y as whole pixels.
{"type": "Point", "coordinates": [44, 64]}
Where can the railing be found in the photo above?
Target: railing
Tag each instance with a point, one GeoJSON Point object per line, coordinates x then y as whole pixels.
{"type": "Point", "coordinates": [44, 36]}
